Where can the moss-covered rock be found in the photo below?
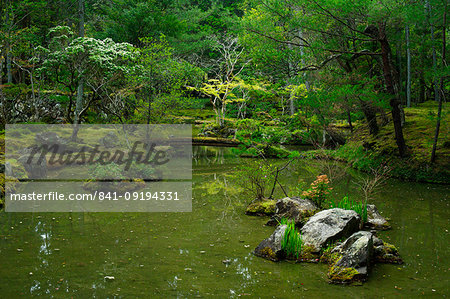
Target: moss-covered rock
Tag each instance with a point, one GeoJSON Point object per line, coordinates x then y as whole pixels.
{"type": "Point", "coordinates": [297, 209]}
{"type": "Point", "coordinates": [261, 207]}
{"type": "Point", "coordinates": [338, 274]}
{"type": "Point", "coordinates": [386, 253]}
{"type": "Point", "coordinates": [330, 256]}
{"type": "Point", "coordinates": [270, 248]}
{"type": "Point", "coordinates": [355, 258]}
{"type": "Point", "coordinates": [308, 254]}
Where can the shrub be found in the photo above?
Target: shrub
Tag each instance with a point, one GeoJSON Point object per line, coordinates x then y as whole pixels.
{"type": "Point", "coordinates": [256, 178]}
{"type": "Point", "coordinates": [319, 190]}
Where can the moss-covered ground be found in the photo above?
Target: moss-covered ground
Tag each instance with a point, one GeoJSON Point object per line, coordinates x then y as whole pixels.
{"type": "Point", "coordinates": [365, 151]}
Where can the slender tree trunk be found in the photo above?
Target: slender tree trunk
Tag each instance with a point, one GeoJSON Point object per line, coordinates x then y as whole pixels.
{"type": "Point", "coordinates": [408, 68]}
{"type": "Point", "coordinates": [349, 120]}
{"type": "Point", "coordinates": [435, 83]}
{"type": "Point", "coordinates": [80, 89]}
{"type": "Point", "coordinates": [1, 69]}
{"type": "Point", "coordinates": [291, 97]}
{"type": "Point", "coordinates": [8, 65]}
{"type": "Point", "coordinates": [441, 98]}
{"type": "Point", "coordinates": [8, 50]}
{"type": "Point", "coordinates": [371, 117]}
{"type": "Point", "coordinates": [390, 87]}
{"type": "Point", "coordinates": [305, 74]}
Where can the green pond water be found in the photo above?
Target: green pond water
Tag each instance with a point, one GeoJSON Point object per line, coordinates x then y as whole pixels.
{"type": "Point", "coordinates": [160, 255]}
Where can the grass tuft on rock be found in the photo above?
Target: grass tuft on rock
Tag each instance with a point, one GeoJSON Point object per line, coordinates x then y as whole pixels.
{"type": "Point", "coordinates": [292, 239]}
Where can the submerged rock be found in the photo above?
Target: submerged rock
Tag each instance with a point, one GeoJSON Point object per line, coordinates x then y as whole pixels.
{"type": "Point", "coordinates": [270, 248]}
{"type": "Point", "coordinates": [375, 220]}
{"type": "Point", "coordinates": [328, 226]}
{"type": "Point", "coordinates": [294, 208]}
{"type": "Point", "coordinates": [261, 207]}
{"type": "Point", "coordinates": [385, 252]}
{"type": "Point", "coordinates": [354, 260]}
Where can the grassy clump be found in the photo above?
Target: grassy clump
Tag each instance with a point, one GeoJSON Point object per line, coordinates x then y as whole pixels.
{"type": "Point", "coordinates": [347, 204]}
{"type": "Point", "coordinates": [292, 239]}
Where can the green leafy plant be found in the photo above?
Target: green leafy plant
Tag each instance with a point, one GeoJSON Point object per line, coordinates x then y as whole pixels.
{"type": "Point", "coordinates": [347, 204]}
{"type": "Point", "coordinates": [292, 239]}
{"type": "Point", "coordinates": [319, 190]}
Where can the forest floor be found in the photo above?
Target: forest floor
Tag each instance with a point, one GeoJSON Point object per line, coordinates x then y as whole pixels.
{"type": "Point", "coordinates": [367, 152]}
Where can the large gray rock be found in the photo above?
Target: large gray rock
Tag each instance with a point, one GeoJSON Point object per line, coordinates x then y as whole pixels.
{"type": "Point", "coordinates": [51, 139]}
{"type": "Point", "coordinates": [270, 248]}
{"type": "Point", "coordinates": [375, 220]}
{"type": "Point", "coordinates": [328, 226]}
{"type": "Point", "coordinates": [34, 165]}
{"type": "Point", "coordinates": [294, 208]}
{"type": "Point", "coordinates": [355, 258]}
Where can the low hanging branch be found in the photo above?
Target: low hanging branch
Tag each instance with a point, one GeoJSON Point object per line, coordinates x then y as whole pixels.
{"type": "Point", "coordinates": [277, 171]}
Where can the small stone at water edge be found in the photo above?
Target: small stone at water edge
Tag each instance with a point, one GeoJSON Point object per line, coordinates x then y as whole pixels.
{"type": "Point", "coordinates": [109, 278]}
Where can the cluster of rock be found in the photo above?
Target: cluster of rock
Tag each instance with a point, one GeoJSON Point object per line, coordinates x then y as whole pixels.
{"type": "Point", "coordinates": [333, 236]}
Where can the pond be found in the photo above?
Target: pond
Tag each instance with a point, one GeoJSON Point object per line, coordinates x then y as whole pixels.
{"type": "Point", "coordinates": [181, 255]}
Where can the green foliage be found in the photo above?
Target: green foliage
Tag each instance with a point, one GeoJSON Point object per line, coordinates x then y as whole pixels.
{"type": "Point", "coordinates": [292, 239]}
{"type": "Point", "coordinates": [347, 204]}
{"type": "Point", "coordinates": [319, 190]}
{"type": "Point", "coordinates": [107, 171]}
{"type": "Point", "coordinates": [256, 177]}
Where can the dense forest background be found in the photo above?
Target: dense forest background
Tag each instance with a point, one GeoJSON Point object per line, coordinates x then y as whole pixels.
{"type": "Point", "coordinates": [268, 71]}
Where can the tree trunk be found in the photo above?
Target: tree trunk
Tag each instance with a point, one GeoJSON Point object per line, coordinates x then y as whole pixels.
{"type": "Point", "coordinates": [390, 88]}
{"type": "Point", "coordinates": [371, 117]}
{"type": "Point", "coordinates": [80, 90]}
{"type": "Point", "coordinates": [408, 69]}
{"type": "Point", "coordinates": [8, 66]}
{"type": "Point", "coordinates": [441, 98]}
{"type": "Point", "coordinates": [349, 120]}
{"type": "Point", "coordinates": [436, 87]}
{"type": "Point", "coordinates": [1, 69]}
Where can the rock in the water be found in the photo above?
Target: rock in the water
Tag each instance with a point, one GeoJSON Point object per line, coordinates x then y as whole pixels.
{"type": "Point", "coordinates": [355, 257]}
{"type": "Point", "coordinates": [261, 207]}
{"type": "Point", "coordinates": [375, 220]}
{"type": "Point", "coordinates": [385, 252]}
{"type": "Point", "coordinates": [328, 226]}
{"type": "Point", "coordinates": [270, 248]}
{"type": "Point", "coordinates": [294, 208]}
